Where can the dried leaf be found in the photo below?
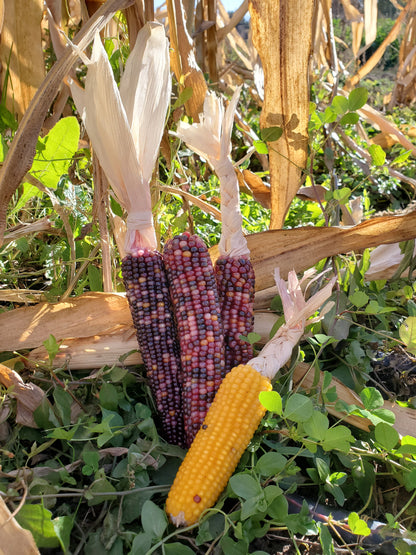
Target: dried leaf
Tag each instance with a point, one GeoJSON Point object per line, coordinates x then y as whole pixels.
{"type": "Point", "coordinates": [13, 538]}
{"type": "Point", "coordinates": [370, 20]}
{"type": "Point", "coordinates": [84, 316]}
{"type": "Point", "coordinates": [277, 27]}
{"type": "Point", "coordinates": [259, 190]}
{"type": "Point", "coordinates": [28, 395]}
{"type": "Point", "coordinates": [315, 193]}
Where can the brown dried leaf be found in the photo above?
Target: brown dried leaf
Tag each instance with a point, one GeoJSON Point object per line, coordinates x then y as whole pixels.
{"type": "Point", "coordinates": [13, 538]}
{"type": "Point", "coordinates": [28, 395]}
{"type": "Point", "coordinates": [259, 190]}
{"type": "Point", "coordinates": [315, 193]}
{"type": "Point", "coordinates": [84, 316]}
{"type": "Point", "coordinates": [277, 26]}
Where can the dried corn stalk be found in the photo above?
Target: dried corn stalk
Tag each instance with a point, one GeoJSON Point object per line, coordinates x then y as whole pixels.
{"type": "Point", "coordinates": [183, 60]}
{"type": "Point", "coordinates": [21, 52]}
{"type": "Point", "coordinates": [277, 28]}
{"type": "Point", "coordinates": [404, 91]}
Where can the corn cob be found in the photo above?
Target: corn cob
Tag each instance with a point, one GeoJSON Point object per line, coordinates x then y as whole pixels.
{"type": "Point", "coordinates": [198, 315]}
{"type": "Point", "coordinates": [236, 411]}
{"type": "Point", "coordinates": [149, 300]}
{"type": "Point", "coordinates": [235, 283]}
{"type": "Point", "coordinates": [231, 421]}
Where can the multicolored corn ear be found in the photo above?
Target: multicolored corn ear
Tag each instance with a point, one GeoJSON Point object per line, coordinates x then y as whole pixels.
{"type": "Point", "coordinates": [231, 421]}
{"type": "Point", "coordinates": [235, 283]}
{"type": "Point", "coordinates": [197, 311]}
{"type": "Point", "coordinates": [150, 304]}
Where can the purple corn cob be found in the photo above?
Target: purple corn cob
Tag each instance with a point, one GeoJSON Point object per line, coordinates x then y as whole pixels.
{"type": "Point", "coordinates": [235, 283]}
{"type": "Point", "coordinates": [148, 295]}
{"type": "Point", "coordinates": [197, 310]}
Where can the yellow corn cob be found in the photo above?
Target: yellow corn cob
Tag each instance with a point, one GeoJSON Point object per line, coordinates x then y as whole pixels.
{"type": "Point", "coordinates": [230, 423]}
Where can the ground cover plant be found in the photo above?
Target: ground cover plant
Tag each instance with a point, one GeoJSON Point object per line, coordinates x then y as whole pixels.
{"type": "Point", "coordinates": [85, 464]}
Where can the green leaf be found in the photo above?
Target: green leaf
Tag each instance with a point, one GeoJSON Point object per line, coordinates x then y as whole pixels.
{"type": "Point", "coordinates": [359, 298]}
{"type": "Point", "coordinates": [271, 463]}
{"type": "Point", "coordinates": [52, 346]}
{"type": "Point", "coordinates": [278, 509]}
{"type": "Point", "coordinates": [410, 480]}
{"type": "Point", "coordinates": [299, 408]}
{"type": "Point", "coordinates": [316, 426]}
{"type": "Point", "coordinates": [386, 436]}
{"type": "Point", "coordinates": [357, 98]}
{"type": "Point", "coordinates": [38, 520]}
{"type": "Point", "coordinates": [55, 151]}
{"type": "Point", "coordinates": [328, 116]}
{"type": "Point", "coordinates": [177, 548]}
{"type": "Point", "coordinates": [230, 547]}
{"type": "Point", "coordinates": [44, 415]}
{"type": "Point", "coordinates": [340, 104]}
{"type": "Point", "coordinates": [63, 403]}
{"type": "Point", "coordinates": [322, 468]}
{"type": "Point", "coordinates": [342, 195]}
{"type": "Point", "coordinates": [118, 373]}
{"type": "Point", "coordinates": [91, 458]}
{"type": "Point", "coordinates": [154, 520]}
{"type": "Point", "coordinates": [371, 398]}
{"type": "Point", "coordinates": [271, 401]}
{"type": "Point", "coordinates": [141, 544]}
{"type": "Point", "coordinates": [401, 158]}
{"type": "Point", "coordinates": [339, 438]}
{"type": "Point", "coordinates": [108, 397]}
{"type": "Point", "coordinates": [407, 332]}
{"type": "Point", "coordinates": [63, 528]}
{"type": "Point", "coordinates": [378, 156]}
{"type": "Point", "coordinates": [103, 486]}
{"type": "Point", "coordinates": [325, 540]}
{"type": "Point", "coordinates": [270, 134]}
{"type": "Point", "coordinates": [116, 208]}
{"type": "Point", "coordinates": [95, 278]}
{"type": "Point", "coordinates": [260, 147]}
{"type": "Point", "coordinates": [244, 485]}
{"type": "Point", "coordinates": [357, 525]}
{"type": "Point", "coordinates": [349, 119]}
{"type": "Point", "coordinates": [252, 337]}
{"type": "Point", "coordinates": [183, 97]}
